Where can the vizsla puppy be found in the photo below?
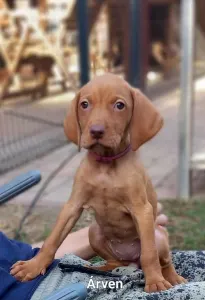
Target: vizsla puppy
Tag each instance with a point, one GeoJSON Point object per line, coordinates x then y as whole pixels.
{"type": "Point", "coordinates": [112, 120]}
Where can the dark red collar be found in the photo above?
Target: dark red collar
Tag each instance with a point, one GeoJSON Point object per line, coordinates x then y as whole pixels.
{"type": "Point", "coordinates": [109, 159]}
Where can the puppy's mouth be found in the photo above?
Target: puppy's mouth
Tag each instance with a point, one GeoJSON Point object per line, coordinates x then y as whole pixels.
{"type": "Point", "coordinates": [97, 144]}
{"type": "Point", "coordinates": [99, 147]}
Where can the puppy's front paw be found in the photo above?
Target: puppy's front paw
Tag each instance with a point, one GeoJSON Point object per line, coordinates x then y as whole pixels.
{"type": "Point", "coordinates": [27, 270]}
{"type": "Point", "coordinates": [157, 286]}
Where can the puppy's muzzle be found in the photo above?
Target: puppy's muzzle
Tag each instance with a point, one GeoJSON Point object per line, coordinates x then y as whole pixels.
{"type": "Point", "coordinates": [97, 131]}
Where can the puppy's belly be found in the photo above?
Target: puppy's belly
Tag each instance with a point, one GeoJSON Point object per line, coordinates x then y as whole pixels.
{"type": "Point", "coordinates": [125, 251]}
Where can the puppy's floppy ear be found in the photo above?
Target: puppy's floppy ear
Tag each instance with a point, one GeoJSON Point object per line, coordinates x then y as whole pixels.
{"type": "Point", "coordinates": [71, 125]}
{"type": "Point", "coordinates": [146, 120]}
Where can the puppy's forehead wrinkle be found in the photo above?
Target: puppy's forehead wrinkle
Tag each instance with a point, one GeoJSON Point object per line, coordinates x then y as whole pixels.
{"type": "Point", "coordinates": [104, 88]}
{"type": "Point", "coordinates": [106, 79]}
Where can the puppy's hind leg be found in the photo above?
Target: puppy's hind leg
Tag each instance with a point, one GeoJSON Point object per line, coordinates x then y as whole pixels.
{"type": "Point", "coordinates": [99, 245]}
{"type": "Point", "coordinates": [168, 270]}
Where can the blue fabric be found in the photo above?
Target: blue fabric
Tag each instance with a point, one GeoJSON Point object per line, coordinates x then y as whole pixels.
{"type": "Point", "coordinates": [10, 252]}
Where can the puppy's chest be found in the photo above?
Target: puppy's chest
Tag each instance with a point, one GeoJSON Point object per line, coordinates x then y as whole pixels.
{"type": "Point", "coordinates": [107, 187]}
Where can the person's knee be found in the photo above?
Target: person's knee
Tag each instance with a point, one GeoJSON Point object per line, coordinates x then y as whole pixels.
{"type": "Point", "coordinates": [162, 220]}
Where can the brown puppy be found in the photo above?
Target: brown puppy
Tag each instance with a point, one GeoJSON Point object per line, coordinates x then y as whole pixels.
{"type": "Point", "coordinates": [107, 116]}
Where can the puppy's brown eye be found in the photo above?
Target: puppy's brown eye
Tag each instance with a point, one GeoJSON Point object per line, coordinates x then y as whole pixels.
{"type": "Point", "coordinates": [84, 104]}
{"type": "Point", "coordinates": [119, 105]}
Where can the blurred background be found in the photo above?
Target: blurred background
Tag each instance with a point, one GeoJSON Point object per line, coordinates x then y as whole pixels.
{"type": "Point", "coordinates": [48, 49]}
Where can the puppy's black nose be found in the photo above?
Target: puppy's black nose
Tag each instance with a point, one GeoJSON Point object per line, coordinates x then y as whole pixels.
{"type": "Point", "coordinates": [97, 131]}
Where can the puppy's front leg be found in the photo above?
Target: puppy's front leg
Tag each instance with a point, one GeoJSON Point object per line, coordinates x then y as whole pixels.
{"type": "Point", "coordinates": [27, 270]}
{"type": "Point", "coordinates": [143, 217]}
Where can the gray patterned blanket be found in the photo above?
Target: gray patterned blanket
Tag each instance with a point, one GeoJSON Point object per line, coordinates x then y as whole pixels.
{"type": "Point", "coordinates": [127, 283]}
